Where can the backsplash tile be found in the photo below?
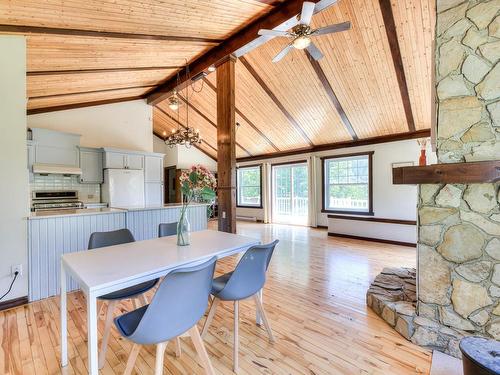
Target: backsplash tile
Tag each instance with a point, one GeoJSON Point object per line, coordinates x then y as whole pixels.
{"type": "Point", "coordinates": [88, 193]}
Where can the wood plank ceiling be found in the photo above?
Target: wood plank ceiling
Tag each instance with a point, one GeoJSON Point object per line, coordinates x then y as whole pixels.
{"type": "Point", "coordinates": [374, 80]}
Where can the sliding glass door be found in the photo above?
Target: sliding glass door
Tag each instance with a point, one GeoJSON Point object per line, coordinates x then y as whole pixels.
{"type": "Point", "coordinates": [290, 192]}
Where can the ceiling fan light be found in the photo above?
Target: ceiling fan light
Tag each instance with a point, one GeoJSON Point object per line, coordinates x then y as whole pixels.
{"type": "Point", "coordinates": [301, 42]}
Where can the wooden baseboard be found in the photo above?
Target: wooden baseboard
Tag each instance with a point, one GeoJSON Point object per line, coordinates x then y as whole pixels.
{"type": "Point", "coordinates": [391, 242]}
{"type": "Point", "coordinates": [322, 226]}
{"type": "Point", "coordinates": [13, 303]}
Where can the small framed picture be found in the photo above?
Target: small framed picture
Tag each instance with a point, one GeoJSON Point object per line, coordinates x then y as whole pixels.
{"type": "Point", "coordinates": [403, 164]}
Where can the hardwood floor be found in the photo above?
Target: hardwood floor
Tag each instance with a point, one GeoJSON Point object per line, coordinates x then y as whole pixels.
{"type": "Point", "coordinates": [314, 298]}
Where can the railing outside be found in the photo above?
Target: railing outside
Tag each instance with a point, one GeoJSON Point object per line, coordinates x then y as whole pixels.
{"type": "Point", "coordinates": [348, 203]}
{"type": "Point", "coordinates": [292, 206]}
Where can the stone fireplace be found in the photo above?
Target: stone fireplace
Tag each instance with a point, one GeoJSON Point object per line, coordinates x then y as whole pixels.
{"type": "Point", "coordinates": [458, 250]}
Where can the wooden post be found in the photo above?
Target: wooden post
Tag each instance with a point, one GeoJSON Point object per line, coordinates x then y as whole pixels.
{"type": "Point", "coordinates": [226, 144]}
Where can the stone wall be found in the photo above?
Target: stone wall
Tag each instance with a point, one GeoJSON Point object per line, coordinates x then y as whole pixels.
{"type": "Point", "coordinates": [459, 225]}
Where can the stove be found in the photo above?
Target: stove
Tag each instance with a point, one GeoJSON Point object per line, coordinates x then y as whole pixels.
{"type": "Point", "coordinates": [45, 200]}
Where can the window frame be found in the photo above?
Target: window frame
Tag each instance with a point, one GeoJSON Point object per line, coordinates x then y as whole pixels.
{"type": "Point", "coordinates": [260, 186]}
{"type": "Point", "coordinates": [370, 184]}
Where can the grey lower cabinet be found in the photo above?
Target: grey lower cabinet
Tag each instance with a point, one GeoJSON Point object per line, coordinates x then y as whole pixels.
{"type": "Point", "coordinates": [91, 165]}
{"type": "Point", "coordinates": [49, 237]}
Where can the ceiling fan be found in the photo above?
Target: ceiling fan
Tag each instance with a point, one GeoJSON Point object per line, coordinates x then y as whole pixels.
{"type": "Point", "coordinates": [302, 33]}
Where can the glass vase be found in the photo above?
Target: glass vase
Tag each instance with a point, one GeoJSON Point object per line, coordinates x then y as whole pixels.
{"type": "Point", "coordinates": [183, 229]}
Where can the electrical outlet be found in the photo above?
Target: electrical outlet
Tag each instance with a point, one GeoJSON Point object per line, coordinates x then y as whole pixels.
{"type": "Point", "coordinates": [17, 268]}
{"type": "Point", "coordinates": [223, 214]}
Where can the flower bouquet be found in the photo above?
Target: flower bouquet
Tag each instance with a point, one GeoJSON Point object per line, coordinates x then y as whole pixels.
{"type": "Point", "coordinates": [197, 184]}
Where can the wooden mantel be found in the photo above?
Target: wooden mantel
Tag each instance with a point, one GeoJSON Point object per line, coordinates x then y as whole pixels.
{"type": "Point", "coordinates": [452, 173]}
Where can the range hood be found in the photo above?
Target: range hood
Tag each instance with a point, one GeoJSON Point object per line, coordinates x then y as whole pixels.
{"type": "Point", "coordinates": [41, 168]}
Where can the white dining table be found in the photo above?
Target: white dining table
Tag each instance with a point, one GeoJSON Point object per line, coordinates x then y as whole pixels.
{"type": "Point", "coordinates": [108, 269]}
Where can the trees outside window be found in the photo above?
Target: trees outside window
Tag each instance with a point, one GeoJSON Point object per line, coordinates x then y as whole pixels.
{"type": "Point", "coordinates": [249, 186]}
{"type": "Point", "coordinates": [347, 183]}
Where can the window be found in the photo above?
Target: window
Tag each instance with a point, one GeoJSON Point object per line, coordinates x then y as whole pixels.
{"type": "Point", "coordinates": [347, 183]}
{"type": "Point", "coordinates": [249, 186]}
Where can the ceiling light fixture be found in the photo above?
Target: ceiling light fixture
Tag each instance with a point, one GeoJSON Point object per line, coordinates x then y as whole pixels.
{"type": "Point", "coordinates": [301, 42]}
{"type": "Point", "coordinates": [183, 135]}
{"type": "Point", "coordinates": [211, 68]}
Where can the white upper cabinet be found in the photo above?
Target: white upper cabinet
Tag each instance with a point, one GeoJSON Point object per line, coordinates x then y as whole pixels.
{"type": "Point", "coordinates": [91, 165]}
{"type": "Point", "coordinates": [135, 161]}
{"type": "Point", "coordinates": [114, 160]}
{"type": "Point", "coordinates": [53, 147]}
{"type": "Point", "coordinates": [121, 159]}
{"type": "Point", "coordinates": [153, 171]}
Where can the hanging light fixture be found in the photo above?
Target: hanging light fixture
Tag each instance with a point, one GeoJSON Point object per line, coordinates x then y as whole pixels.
{"type": "Point", "coordinates": [183, 135]}
{"type": "Point", "coordinates": [173, 101]}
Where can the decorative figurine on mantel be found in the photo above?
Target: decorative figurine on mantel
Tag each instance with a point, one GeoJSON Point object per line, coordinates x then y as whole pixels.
{"type": "Point", "coordinates": [422, 142]}
{"type": "Point", "coordinates": [197, 184]}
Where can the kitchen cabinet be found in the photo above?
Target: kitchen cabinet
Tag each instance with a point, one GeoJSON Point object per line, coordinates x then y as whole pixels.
{"type": "Point", "coordinates": [31, 159]}
{"type": "Point", "coordinates": [153, 168]}
{"type": "Point", "coordinates": [91, 165]}
{"type": "Point", "coordinates": [54, 147]}
{"type": "Point", "coordinates": [153, 192]}
{"type": "Point", "coordinates": [121, 159]}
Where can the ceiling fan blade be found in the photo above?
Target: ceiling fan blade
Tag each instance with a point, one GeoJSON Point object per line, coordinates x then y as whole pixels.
{"type": "Point", "coordinates": [314, 51]}
{"type": "Point", "coordinates": [272, 32]}
{"type": "Point", "coordinates": [307, 12]}
{"type": "Point", "coordinates": [283, 53]}
{"type": "Point", "coordinates": [333, 28]}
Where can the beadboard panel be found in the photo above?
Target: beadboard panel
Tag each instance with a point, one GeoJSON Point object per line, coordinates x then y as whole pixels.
{"type": "Point", "coordinates": [144, 224]}
{"type": "Point", "coordinates": [49, 238]}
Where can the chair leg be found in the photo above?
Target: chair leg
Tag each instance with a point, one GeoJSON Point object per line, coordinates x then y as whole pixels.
{"type": "Point", "coordinates": [143, 299]}
{"type": "Point", "coordinates": [107, 331]}
{"type": "Point", "coordinates": [211, 313]}
{"type": "Point", "coordinates": [200, 349]}
{"type": "Point", "coordinates": [236, 336]}
{"type": "Point", "coordinates": [160, 353]}
{"type": "Point", "coordinates": [178, 350]}
{"type": "Point", "coordinates": [260, 308]}
{"type": "Point", "coordinates": [135, 303]}
{"type": "Point", "coordinates": [131, 359]}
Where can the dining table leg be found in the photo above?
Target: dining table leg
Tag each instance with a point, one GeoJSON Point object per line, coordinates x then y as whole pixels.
{"type": "Point", "coordinates": [64, 319]}
{"type": "Point", "coordinates": [258, 317]}
{"type": "Point", "coordinates": [92, 333]}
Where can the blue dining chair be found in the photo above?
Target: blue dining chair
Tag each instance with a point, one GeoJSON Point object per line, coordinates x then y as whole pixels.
{"type": "Point", "coordinates": [117, 237]}
{"type": "Point", "coordinates": [247, 280]}
{"type": "Point", "coordinates": [167, 229]}
{"type": "Point", "coordinates": [178, 304]}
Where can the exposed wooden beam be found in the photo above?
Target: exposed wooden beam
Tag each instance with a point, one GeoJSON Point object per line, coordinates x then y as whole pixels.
{"type": "Point", "coordinates": [90, 92]}
{"type": "Point", "coordinates": [276, 101]}
{"type": "Point", "coordinates": [270, 2]}
{"type": "Point", "coordinates": [104, 70]}
{"type": "Point", "coordinates": [337, 145]}
{"type": "Point", "coordinates": [184, 127]}
{"type": "Point", "coordinates": [333, 97]}
{"type": "Point", "coordinates": [226, 145]}
{"type": "Point", "coordinates": [101, 34]}
{"type": "Point", "coordinates": [205, 117]}
{"type": "Point", "coordinates": [81, 105]}
{"type": "Point", "coordinates": [246, 119]}
{"type": "Point", "coordinates": [279, 15]}
{"type": "Point", "coordinates": [392, 37]}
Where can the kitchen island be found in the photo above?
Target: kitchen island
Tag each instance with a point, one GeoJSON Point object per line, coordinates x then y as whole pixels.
{"type": "Point", "coordinates": [53, 233]}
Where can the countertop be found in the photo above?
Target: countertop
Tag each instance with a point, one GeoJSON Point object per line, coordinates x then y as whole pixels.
{"type": "Point", "coordinates": [168, 205]}
{"type": "Point", "coordinates": [102, 210]}
{"type": "Point", "coordinates": [78, 212]}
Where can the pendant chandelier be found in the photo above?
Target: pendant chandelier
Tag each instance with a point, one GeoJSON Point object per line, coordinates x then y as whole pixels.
{"type": "Point", "coordinates": [183, 135]}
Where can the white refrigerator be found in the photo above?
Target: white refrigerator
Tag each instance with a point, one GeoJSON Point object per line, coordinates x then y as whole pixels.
{"type": "Point", "coordinates": [123, 188]}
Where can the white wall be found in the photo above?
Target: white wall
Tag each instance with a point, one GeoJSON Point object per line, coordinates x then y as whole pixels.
{"type": "Point", "coordinates": [126, 125]}
{"type": "Point", "coordinates": [13, 163]}
{"type": "Point", "coordinates": [389, 201]}
{"type": "Point", "coordinates": [183, 157]}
